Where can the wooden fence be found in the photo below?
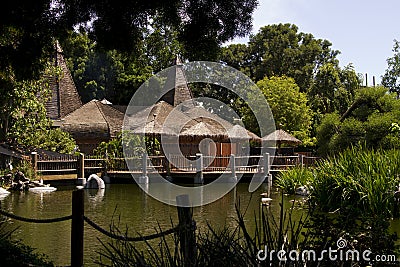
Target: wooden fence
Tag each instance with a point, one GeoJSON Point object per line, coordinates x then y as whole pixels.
{"type": "Point", "coordinates": [85, 165]}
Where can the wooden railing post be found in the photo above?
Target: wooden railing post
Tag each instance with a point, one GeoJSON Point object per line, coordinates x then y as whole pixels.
{"type": "Point", "coordinates": [81, 165]}
{"type": "Point", "coordinates": [199, 178]}
{"type": "Point", "coordinates": [77, 228]}
{"type": "Point", "coordinates": [233, 167]}
{"type": "Point", "coordinates": [34, 160]}
{"type": "Point", "coordinates": [187, 228]}
{"type": "Point", "coordinates": [144, 178]}
{"type": "Point", "coordinates": [266, 164]}
{"type": "Point", "coordinates": [301, 160]}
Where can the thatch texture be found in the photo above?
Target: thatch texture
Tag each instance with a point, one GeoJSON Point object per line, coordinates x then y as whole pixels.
{"type": "Point", "coordinates": [194, 124]}
{"type": "Point", "coordinates": [238, 132]}
{"type": "Point", "coordinates": [93, 123]}
{"type": "Point", "coordinates": [181, 93]}
{"type": "Point", "coordinates": [281, 137]}
{"type": "Point", "coordinates": [64, 96]}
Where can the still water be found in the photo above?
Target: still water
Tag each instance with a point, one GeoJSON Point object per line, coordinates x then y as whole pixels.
{"type": "Point", "coordinates": [125, 204]}
{"type": "Point", "coordinates": [129, 207]}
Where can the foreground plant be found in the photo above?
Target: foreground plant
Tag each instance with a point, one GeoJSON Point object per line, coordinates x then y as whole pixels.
{"type": "Point", "coordinates": [14, 253]}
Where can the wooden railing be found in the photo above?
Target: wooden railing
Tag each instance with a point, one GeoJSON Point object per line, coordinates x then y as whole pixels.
{"type": "Point", "coordinates": [85, 165]}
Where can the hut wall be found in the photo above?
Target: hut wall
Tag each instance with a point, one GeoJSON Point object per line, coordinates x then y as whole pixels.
{"type": "Point", "coordinates": [87, 146]}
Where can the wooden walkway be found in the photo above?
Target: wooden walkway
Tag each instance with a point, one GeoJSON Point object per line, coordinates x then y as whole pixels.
{"type": "Point", "coordinates": [83, 166]}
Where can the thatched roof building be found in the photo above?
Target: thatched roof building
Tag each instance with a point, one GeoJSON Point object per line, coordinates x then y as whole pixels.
{"type": "Point", "coordinates": [280, 137]}
{"type": "Point", "coordinates": [92, 124]}
{"type": "Point", "coordinates": [190, 122]}
{"type": "Point", "coordinates": [64, 96]}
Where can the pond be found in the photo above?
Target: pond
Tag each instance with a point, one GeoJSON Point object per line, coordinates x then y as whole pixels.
{"type": "Point", "coordinates": [125, 204]}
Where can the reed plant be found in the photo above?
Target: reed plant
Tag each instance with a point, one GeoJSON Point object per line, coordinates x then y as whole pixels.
{"type": "Point", "coordinates": [295, 177]}
{"type": "Point", "coordinates": [356, 180]}
{"type": "Point", "coordinates": [363, 181]}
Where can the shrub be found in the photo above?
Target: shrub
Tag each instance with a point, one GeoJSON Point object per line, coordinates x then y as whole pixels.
{"type": "Point", "coordinates": [293, 178]}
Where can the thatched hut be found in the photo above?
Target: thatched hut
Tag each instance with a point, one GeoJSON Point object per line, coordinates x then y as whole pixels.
{"type": "Point", "coordinates": [64, 96]}
{"type": "Point", "coordinates": [92, 124]}
{"type": "Point", "coordinates": [180, 118]}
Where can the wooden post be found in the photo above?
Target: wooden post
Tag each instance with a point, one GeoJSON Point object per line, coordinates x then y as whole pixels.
{"type": "Point", "coordinates": [81, 165]}
{"type": "Point", "coordinates": [187, 234]}
{"type": "Point", "coordinates": [266, 158]}
{"type": "Point", "coordinates": [77, 228]}
{"type": "Point", "coordinates": [301, 160]}
{"type": "Point", "coordinates": [199, 178]}
{"type": "Point", "coordinates": [144, 178]}
{"type": "Point", "coordinates": [106, 163]}
{"type": "Point", "coordinates": [233, 167]}
{"type": "Point", "coordinates": [34, 160]}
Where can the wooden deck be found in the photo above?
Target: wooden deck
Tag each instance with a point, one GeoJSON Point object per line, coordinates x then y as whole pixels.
{"type": "Point", "coordinates": [69, 167]}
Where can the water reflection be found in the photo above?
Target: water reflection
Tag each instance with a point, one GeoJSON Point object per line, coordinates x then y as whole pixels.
{"type": "Point", "coordinates": [126, 204]}
{"type": "Point", "coordinates": [95, 196]}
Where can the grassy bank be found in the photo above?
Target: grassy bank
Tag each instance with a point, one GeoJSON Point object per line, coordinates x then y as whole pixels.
{"type": "Point", "coordinates": [363, 181]}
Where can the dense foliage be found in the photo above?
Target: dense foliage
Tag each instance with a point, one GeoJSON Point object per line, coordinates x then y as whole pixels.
{"type": "Point", "coordinates": [367, 121]}
{"type": "Point", "coordinates": [29, 28]}
{"type": "Point", "coordinates": [356, 181]}
{"type": "Point", "coordinates": [280, 50]}
{"type": "Point", "coordinates": [391, 78]}
{"type": "Point", "coordinates": [23, 120]}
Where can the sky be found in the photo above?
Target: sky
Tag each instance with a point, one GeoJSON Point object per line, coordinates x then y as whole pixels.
{"type": "Point", "coordinates": [363, 31]}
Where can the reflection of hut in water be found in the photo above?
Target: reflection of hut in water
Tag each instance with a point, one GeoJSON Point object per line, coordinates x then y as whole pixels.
{"type": "Point", "coordinates": [179, 120]}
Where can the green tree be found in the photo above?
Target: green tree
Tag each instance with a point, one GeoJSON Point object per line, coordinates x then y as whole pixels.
{"type": "Point", "coordinates": [238, 56]}
{"type": "Point", "coordinates": [288, 106]}
{"type": "Point", "coordinates": [333, 88]}
{"type": "Point", "coordinates": [23, 118]}
{"type": "Point", "coordinates": [368, 121]}
{"type": "Point", "coordinates": [28, 28]}
{"type": "Point", "coordinates": [391, 78]}
{"type": "Point", "coordinates": [102, 74]}
{"type": "Point", "coordinates": [278, 50]}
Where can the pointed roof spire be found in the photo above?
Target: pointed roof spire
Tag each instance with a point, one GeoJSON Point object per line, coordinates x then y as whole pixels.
{"type": "Point", "coordinates": [64, 96]}
{"type": "Point", "coordinates": [181, 92]}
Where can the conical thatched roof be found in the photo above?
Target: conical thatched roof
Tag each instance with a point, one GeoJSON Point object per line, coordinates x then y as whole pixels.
{"type": "Point", "coordinates": [238, 132]}
{"type": "Point", "coordinates": [93, 120]}
{"type": "Point", "coordinates": [201, 130]}
{"type": "Point", "coordinates": [176, 114]}
{"type": "Point", "coordinates": [181, 92]}
{"type": "Point", "coordinates": [281, 137]}
{"type": "Point", "coordinates": [64, 96]}
{"type": "Point", "coordinates": [159, 115]}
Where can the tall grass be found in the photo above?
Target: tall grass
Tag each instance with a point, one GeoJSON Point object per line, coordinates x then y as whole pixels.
{"type": "Point", "coordinates": [363, 181]}
{"type": "Point", "coordinates": [355, 180]}
{"type": "Point", "coordinates": [289, 180]}
{"type": "Point", "coordinates": [229, 246]}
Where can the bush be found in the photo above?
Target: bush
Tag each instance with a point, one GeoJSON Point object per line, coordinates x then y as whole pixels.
{"type": "Point", "coordinates": [293, 178]}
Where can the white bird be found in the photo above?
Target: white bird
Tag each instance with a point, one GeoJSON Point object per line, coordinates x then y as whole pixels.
{"type": "Point", "coordinates": [265, 199]}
